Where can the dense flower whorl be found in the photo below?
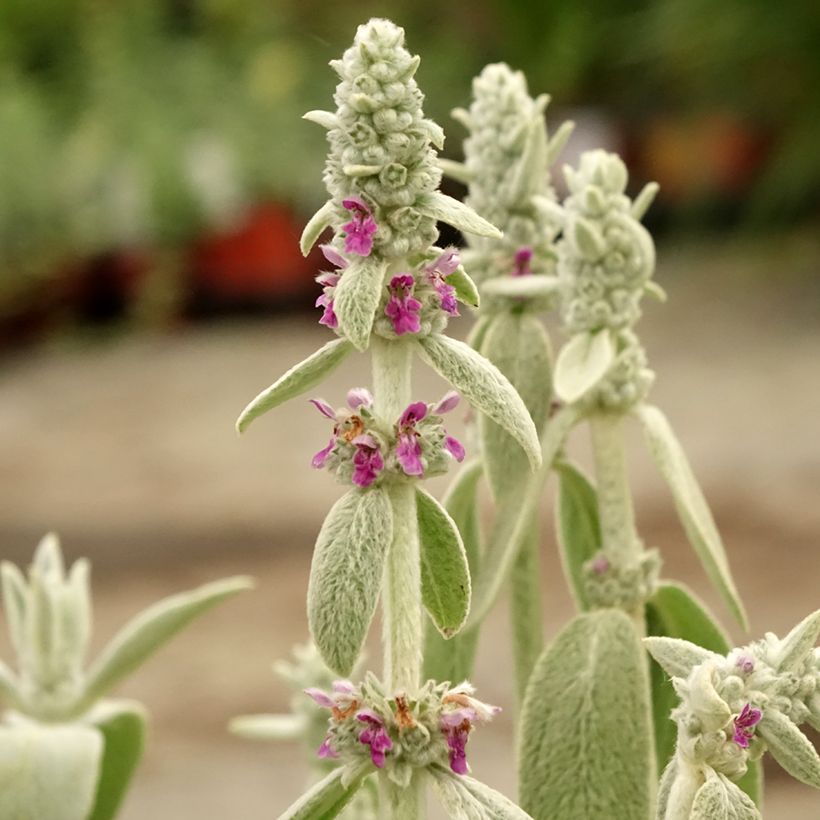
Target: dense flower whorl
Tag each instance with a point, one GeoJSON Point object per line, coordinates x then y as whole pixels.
{"type": "Point", "coordinates": [365, 451]}
{"type": "Point", "coordinates": [381, 159]}
{"type": "Point", "coordinates": [399, 733]}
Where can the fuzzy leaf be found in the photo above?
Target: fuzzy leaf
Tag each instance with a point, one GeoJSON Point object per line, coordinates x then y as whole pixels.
{"type": "Point", "coordinates": [15, 602]}
{"type": "Point", "coordinates": [9, 686]}
{"type": "Point", "coordinates": [122, 724]}
{"type": "Point", "coordinates": [691, 505]}
{"type": "Point", "coordinates": [452, 659]}
{"type": "Point", "coordinates": [579, 528]}
{"type": "Point", "coordinates": [455, 170]}
{"type": "Point", "coordinates": [464, 798]}
{"type": "Point", "coordinates": [357, 297]}
{"type": "Point", "coordinates": [676, 656]}
{"type": "Point", "coordinates": [346, 575]}
{"type": "Point", "coordinates": [299, 379]}
{"type": "Point", "coordinates": [326, 119]}
{"type": "Point", "coordinates": [269, 727]}
{"type": "Point", "coordinates": [148, 631]}
{"type": "Point", "coordinates": [328, 797]}
{"type": "Point", "coordinates": [466, 290]}
{"type": "Point", "coordinates": [529, 174]}
{"type": "Point", "coordinates": [587, 238]}
{"type": "Point", "coordinates": [586, 748]}
{"type": "Point", "coordinates": [558, 140]}
{"type": "Point", "coordinates": [668, 777]}
{"type": "Point", "coordinates": [644, 199]}
{"type": "Point", "coordinates": [445, 574]}
{"type": "Point", "coordinates": [485, 387]}
{"type": "Point", "coordinates": [477, 332]}
{"type": "Point", "coordinates": [582, 363]}
{"type": "Point", "coordinates": [316, 226]}
{"type": "Point", "coordinates": [798, 643]}
{"type": "Point", "coordinates": [674, 612]}
{"type": "Point", "coordinates": [446, 209]}
{"type": "Point", "coordinates": [496, 805]}
{"type": "Point", "coordinates": [720, 799]}
{"type": "Point", "coordinates": [48, 772]}
{"type": "Point", "coordinates": [518, 345]}
{"type": "Point", "coordinates": [790, 747]}
{"type": "Point", "coordinates": [534, 286]}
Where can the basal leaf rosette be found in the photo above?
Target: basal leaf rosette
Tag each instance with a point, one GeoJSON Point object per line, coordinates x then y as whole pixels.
{"type": "Point", "coordinates": [506, 168]}
{"type": "Point", "coordinates": [382, 176]}
{"type": "Point", "coordinates": [605, 263]}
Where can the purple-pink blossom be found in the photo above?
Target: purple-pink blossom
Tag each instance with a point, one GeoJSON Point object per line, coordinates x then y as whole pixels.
{"type": "Point", "coordinates": [522, 260]}
{"type": "Point", "coordinates": [375, 736]}
{"type": "Point", "coordinates": [744, 725]}
{"type": "Point", "coordinates": [460, 712]}
{"type": "Point", "coordinates": [342, 702]}
{"type": "Point", "coordinates": [402, 307]}
{"type": "Point", "coordinates": [328, 280]}
{"type": "Point", "coordinates": [367, 460]}
{"type": "Point", "coordinates": [408, 448]}
{"type": "Point", "coordinates": [437, 272]}
{"type": "Point", "coordinates": [745, 664]}
{"type": "Point", "coordinates": [359, 231]}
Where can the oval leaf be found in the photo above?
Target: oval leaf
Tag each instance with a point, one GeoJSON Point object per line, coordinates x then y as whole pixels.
{"type": "Point", "coordinates": [452, 659]}
{"type": "Point", "coordinates": [357, 297]}
{"type": "Point", "coordinates": [582, 363]}
{"type": "Point", "coordinates": [485, 387]}
{"type": "Point", "coordinates": [446, 209]}
{"type": "Point", "coordinates": [299, 379]}
{"type": "Point", "coordinates": [518, 345]}
{"type": "Point", "coordinates": [720, 799]}
{"type": "Point", "coordinates": [466, 290]}
{"type": "Point", "coordinates": [48, 771]}
{"type": "Point", "coordinates": [445, 575]}
{"type": "Point", "coordinates": [122, 724]}
{"type": "Point", "coordinates": [678, 657]}
{"type": "Point", "coordinates": [148, 631]}
{"type": "Point", "coordinates": [586, 747]}
{"type": "Point", "coordinates": [691, 505]}
{"type": "Point", "coordinates": [328, 797]}
{"type": "Point", "coordinates": [346, 575]}
{"type": "Point", "coordinates": [798, 643]}
{"type": "Point", "coordinates": [579, 527]}
{"type": "Point", "coordinates": [790, 747]}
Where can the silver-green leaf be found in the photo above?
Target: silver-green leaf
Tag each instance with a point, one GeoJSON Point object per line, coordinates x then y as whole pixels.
{"type": "Point", "coordinates": [446, 209]}
{"type": "Point", "coordinates": [316, 226]}
{"type": "Point", "coordinates": [790, 747]}
{"type": "Point", "coordinates": [357, 297]}
{"type": "Point", "coordinates": [327, 798]}
{"type": "Point", "coordinates": [798, 643]}
{"type": "Point", "coordinates": [298, 380]}
{"type": "Point", "coordinates": [445, 574]}
{"type": "Point", "coordinates": [678, 657]}
{"type": "Point", "coordinates": [466, 290]}
{"type": "Point", "coordinates": [586, 739]}
{"type": "Point", "coordinates": [691, 505]}
{"type": "Point", "coordinates": [720, 799]}
{"type": "Point", "coordinates": [582, 363]}
{"type": "Point", "coordinates": [485, 387]}
{"type": "Point", "coordinates": [535, 286]}
{"type": "Point", "coordinates": [346, 575]}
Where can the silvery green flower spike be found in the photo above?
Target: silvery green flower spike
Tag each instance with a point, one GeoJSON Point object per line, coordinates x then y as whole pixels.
{"type": "Point", "coordinates": [69, 754]}
{"type": "Point", "coordinates": [733, 708]}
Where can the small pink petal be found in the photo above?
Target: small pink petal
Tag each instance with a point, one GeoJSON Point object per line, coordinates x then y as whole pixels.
{"type": "Point", "coordinates": [359, 397]}
{"type": "Point", "coordinates": [413, 413]}
{"type": "Point", "coordinates": [455, 448]}
{"type": "Point", "coordinates": [318, 461]}
{"type": "Point", "coordinates": [324, 408]}
{"type": "Point", "coordinates": [446, 263]}
{"type": "Point", "coordinates": [322, 698]}
{"type": "Point", "coordinates": [408, 454]}
{"type": "Point", "coordinates": [334, 257]}
{"type": "Point", "coordinates": [449, 401]}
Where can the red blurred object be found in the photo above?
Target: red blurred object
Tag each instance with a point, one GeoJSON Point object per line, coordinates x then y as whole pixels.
{"type": "Point", "coordinates": [259, 260]}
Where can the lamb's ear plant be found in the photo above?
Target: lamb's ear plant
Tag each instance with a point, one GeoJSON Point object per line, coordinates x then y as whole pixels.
{"type": "Point", "coordinates": [66, 751]}
{"type": "Point", "coordinates": [392, 292]}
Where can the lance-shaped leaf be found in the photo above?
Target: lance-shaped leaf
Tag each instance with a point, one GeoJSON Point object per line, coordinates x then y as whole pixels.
{"type": "Point", "coordinates": [455, 170]}
{"type": "Point", "coordinates": [668, 778]}
{"type": "Point", "coordinates": [466, 290]}
{"type": "Point", "coordinates": [582, 363]}
{"type": "Point", "coordinates": [122, 724]}
{"type": "Point", "coordinates": [790, 747]}
{"type": "Point", "coordinates": [518, 345]}
{"type": "Point", "coordinates": [558, 140]}
{"type": "Point", "coordinates": [720, 799]}
{"type": "Point", "coordinates": [446, 209]}
{"type": "Point", "coordinates": [513, 522]}
{"type": "Point", "coordinates": [484, 386]}
{"type": "Point", "coordinates": [798, 643]}
{"type": "Point", "coordinates": [691, 505]}
{"type": "Point", "coordinates": [532, 166]}
{"type": "Point", "coordinates": [641, 203]}
{"type": "Point", "coordinates": [326, 799]}
{"type": "Point", "coordinates": [269, 727]}
{"type": "Point", "coordinates": [674, 611]}
{"type": "Point", "coordinates": [452, 659]}
{"type": "Point", "coordinates": [326, 119]}
{"type": "Point", "coordinates": [678, 657]}
{"type": "Point", "coordinates": [534, 286]}
{"type": "Point", "coordinates": [299, 379]}
{"type": "Point", "coordinates": [316, 226]}
{"type": "Point", "coordinates": [48, 771]}
{"type": "Point", "coordinates": [445, 574]}
{"type": "Point", "coordinates": [346, 575]}
{"type": "Point", "coordinates": [586, 738]}
{"type": "Point", "coordinates": [149, 630]}
{"type": "Point", "coordinates": [579, 527]}
{"type": "Point", "coordinates": [356, 298]}
{"type": "Point", "coordinates": [464, 798]}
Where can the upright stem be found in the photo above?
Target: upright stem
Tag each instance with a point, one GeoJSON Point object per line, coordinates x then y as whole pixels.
{"type": "Point", "coordinates": [401, 592]}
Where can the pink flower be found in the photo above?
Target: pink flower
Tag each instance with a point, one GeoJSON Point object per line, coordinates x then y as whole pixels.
{"type": "Point", "coordinates": [367, 461]}
{"type": "Point", "coordinates": [360, 229]}
{"type": "Point", "coordinates": [347, 427]}
{"type": "Point", "coordinates": [408, 449]}
{"type": "Point", "coordinates": [744, 725]}
{"type": "Point", "coordinates": [460, 711]}
{"type": "Point", "coordinates": [375, 736]}
{"type": "Point", "coordinates": [343, 702]}
{"type": "Point", "coordinates": [328, 280]}
{"type": "Point", "coordinates": [745, 664]}
{"type": "Point", "coordinates": [522, 262]}
{"type": "Point", "coordinates": [455, 448]}
{"type": "Point", "coordinates": [402, 307]}
{"type": "Point", "coordinates": [437, 272]}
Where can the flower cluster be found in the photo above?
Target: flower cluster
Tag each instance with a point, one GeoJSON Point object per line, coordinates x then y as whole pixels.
{"type": "Point", "coordinates": [381, 159]}
{"type": "Point", "coordinates": [364, 451]}
{"type": "Point", "coordinates": [606, 260]}
{"type": "Point", "coordinates": [508, 176]}
{"type": "Point", "coordinates": [399, 733]}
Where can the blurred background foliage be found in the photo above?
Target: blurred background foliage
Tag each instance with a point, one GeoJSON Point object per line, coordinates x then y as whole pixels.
{"type": "Point", "coordinates": [147, 140]}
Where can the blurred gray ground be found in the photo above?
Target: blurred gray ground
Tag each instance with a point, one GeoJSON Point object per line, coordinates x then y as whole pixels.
{"type": "Point", "coordinates": [127, 449]}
